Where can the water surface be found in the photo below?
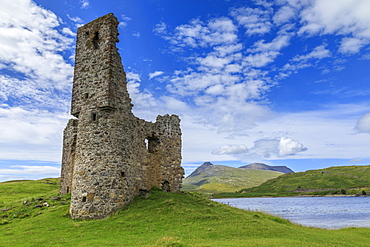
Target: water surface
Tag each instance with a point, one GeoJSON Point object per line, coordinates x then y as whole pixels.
{"type": "Point", "coordinates": [320, 212]}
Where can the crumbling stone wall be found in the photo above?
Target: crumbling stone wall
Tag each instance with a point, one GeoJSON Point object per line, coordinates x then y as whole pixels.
{"type": "Point", "coordinates": [69, 148]}
{"type": "Point", "coordinates": [109, 155]}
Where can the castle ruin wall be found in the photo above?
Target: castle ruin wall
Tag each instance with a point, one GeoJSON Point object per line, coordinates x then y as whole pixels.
{"type": "Point", "coordinates": [109, 155]}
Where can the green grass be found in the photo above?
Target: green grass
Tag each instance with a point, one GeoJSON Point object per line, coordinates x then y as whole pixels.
{"type": "Point", "coordinates": [219, 178]}
{"type": "Point", "coordinates": [162, 219]}
{"type": "Point", "coordinates": [16, 190]}
{"type": "Point", "coordinates": [348, 180]}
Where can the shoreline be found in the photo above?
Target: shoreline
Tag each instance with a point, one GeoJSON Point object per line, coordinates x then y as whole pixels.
{"type": "Point", "coordinates": [290, 196]}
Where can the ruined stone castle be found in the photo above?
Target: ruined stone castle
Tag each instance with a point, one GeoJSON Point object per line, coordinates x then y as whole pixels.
{"type": "Point", "coordinates": [109, 155]}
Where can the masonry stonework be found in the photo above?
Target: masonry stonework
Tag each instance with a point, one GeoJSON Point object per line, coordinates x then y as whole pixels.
{"type": "Point", "coordinates": [109, 155]}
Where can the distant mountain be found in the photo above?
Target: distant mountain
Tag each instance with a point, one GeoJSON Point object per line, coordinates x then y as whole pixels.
{"type": "Point", "coordinates": [209, 178]}
{"type": "Point", "coordinates": [261, 166]}
{"type": "Point", "coordinates": [200, 169]}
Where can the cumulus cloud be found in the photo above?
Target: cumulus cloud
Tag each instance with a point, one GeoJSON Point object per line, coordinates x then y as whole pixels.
{"type": "Point", "coordinates": [263, 149]}
{"type": "Point", "coordinates": [363, 124]}
{"type": "Point", "coordinates": [290, 147]}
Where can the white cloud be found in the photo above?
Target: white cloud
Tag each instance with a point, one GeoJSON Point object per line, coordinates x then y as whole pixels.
{"type": "Point", "coordinates": [140, 99]}
{"type": "Point", "coordinates": [125, 20]}
{"type": "Point", "coordinates": [68, 31]}
{"type": "Point", "coordinates": [34, 170]}
{"type": "Point", "coordinates": [155, 74]}
{"type": "Point", "coordinates": [85, 4]}
{"type": "Point", "coordinates": [199, 34]}
{"type": "Point", "coordinates": [304, 61]}
{"type": "Point", "coordinates": [338, 17]}
{"type": "Point", "coordinates": [160, 29]}
{"type": "Point", "coordinates": [267, 148]}
{"type": "Point", "coordinates": [263, 149]}
{"type": "Point", "coordinates": [290, 147]}
{"type": "Point", "coordinates": [215, 90]}
{"type": "Point", "coordinates": [284, 15]}
{"type": "Point", "coordinates": [231, 149]}
{"type": "Point", "coordinates": [255, 20]}
{"type": "Point", "coordinates": [318, 52]}
{"type": "Point", "coordinates": [35, 99]}
{"type": "Point", "coordinates": [332, 124]}
{"type": "Point", "coordinates": [31, 44]}
{"type": "Point", "coordinates": [136, 34]}
{"type": "Point", "coordinates": [30, 94]}
{"type": "Point", "coordinates": [31, 134]}
{"type": "Point", "coordinates": [351, 45]}
{"type": "Point", "coordinates": [221, 85]}
{"type": "Point", "coordinates": [75, 19]}
{"type": "Point", "coordinates": [276, 44]}
{"type": "Point", "coordinates": [221, 93]}
{"type": "Point", "coordinates": [261, 59]}
{"type": "Point", "coordinates": [363, 124]}
{"type": "Point", "coordinates": [175, 105]}
{"type": "Point", "coordinates": [227, 49]}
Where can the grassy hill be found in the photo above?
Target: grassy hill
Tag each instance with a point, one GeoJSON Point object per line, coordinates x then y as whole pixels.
{"type": "Point", "coordinates": [155, 219]}
{"type": "Point", "coordinates": [218, 178]}
{"type": "Point", "coordinates": [329, 181]}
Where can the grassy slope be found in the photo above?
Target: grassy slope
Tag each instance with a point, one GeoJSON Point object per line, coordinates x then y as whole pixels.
{"type": "Point", "coordinates": [165, 219]}
{"type": "Point", "coordinates": [328, 181]}
{"type": "Point", "coordinates": [16, 190]}
{"type": "Point", "coordinates": [227, 179]}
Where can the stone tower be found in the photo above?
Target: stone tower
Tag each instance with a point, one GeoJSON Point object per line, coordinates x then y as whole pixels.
{"type": "Point", "coordinates": [109, 155]}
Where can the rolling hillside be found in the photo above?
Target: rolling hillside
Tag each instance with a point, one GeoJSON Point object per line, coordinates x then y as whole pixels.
{"type": "Point", "coordinates": [209, 178]}
{"type": "Point", "coordinates": [349, 180]}
{"type": "Point", "coordinates": [155, 219]}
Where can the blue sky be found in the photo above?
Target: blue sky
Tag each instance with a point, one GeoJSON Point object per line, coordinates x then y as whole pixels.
{"type": "Point", "coordinates": [283, 82]}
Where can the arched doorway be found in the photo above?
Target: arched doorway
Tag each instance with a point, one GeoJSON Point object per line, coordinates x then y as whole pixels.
{"type": "Point", "coordinates": [166, 186]}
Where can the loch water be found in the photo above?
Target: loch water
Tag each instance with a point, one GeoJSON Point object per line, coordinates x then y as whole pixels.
{"type": "Point", "coordinates": [320, 212]}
